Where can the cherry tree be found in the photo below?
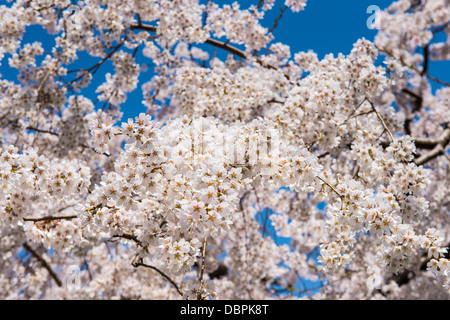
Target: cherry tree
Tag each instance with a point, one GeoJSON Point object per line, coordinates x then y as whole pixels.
{"type": "Point", "coordinates": [243, 143]}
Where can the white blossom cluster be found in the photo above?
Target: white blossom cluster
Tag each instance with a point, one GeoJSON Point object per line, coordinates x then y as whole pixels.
{"type": "Point", "coordinates": [258, 174]}
{"type": "Point", "coordinates": [238, 25]}
{"type": "Point", "coordinates": [31, 182]}
{"type": "Point", "coordinates": [225, 94]}
{"type": "Point", "coordinates": [180, 181]}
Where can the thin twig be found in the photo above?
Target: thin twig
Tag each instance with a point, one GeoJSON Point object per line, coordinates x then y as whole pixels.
{"type": "Point", "coordinates": [331, 186]}
{"type": "Point", "coordinates": [341, 197]}
{"type": "Point", "coordinates": [258, 6]}
{"type": "Point", "coordinates": [241, 205]}
{"type": "Point", "coordinates": [35, 129]}
{"type": "Point", "coordinates": [138, 263]}
{"type": "Point", "coordinates": [277, 19]}
{"type": "Point", "coordinates": [46, 77]}
{"type": "Point", "coordinates": [354, 110]}
{"type": "Point", "coordinates": [202, 270]}
{"type": "Point", "coordinates": [96, 66]}
{"type": "Point", "coordinates": [381, 120]}
{"type": "Point", "coordinates": [444, 83]}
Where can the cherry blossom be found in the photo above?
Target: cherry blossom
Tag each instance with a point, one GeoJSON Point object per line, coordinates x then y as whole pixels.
{"type": "Point", "coordinates": [248, 173]}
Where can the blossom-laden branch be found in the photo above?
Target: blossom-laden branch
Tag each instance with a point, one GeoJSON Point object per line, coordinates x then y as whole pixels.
{"type": "Point", "coordinates": [423, 72]}
{"type": "Point", "coordinates": [218, 44]}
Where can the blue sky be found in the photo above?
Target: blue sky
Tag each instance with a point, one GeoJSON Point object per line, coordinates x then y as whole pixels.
{"type": "Point", "coordinates": [325, 26]}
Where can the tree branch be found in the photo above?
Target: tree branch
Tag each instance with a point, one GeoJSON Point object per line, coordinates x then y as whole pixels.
{"type": "Point", "coordinates": [41, 85]}
{"type": "Point", "coordinates": [44, 263]}
{"type": "Point", "coordinates": [216, 43]}
{"type": "Point", "coordinates": [277, 19]}
{"type": "Point", "coordinates": [381, 120]}
{"type": "Point", "coordinates": [50, 218]}
{"type": "Point", "coordinates": [36, 129]}
{"type": "Point", "coordinates": [331, 186]}
{"type": "Point", "coordinates": [437, 146]}
{"type": "Point", "coordinates": [96, 66]}
{"type": "Point", "coordinates": [138, 263]}
{"type": "Point", "coordinates": [426, 59]}
{"type": "Point", "coordinates": [418, 100]}
{"type": "Point", "coordinates": [202, 270]}
{"type": "Point", "coordinates": [128, 237]}
{"type": "Point", "coordinates": [426, 74]}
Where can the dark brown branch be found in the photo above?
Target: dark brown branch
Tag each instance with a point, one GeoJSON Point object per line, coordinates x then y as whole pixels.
{"type": "Point", "coordinates": [435, 152]}
{"type": "Point", "coordinates": [220, 272]}
{"type": "Point", "coordinates": [42, 131]}
{"type": "Point", "coordinates": [138, 263]}
{"type": "Point", "coordinates": [278, 18]}
{"type": "Point", "coordinates": [440, 28]}
{"type": "Point", "coordinates": [437, 146]}
{"type": "Point", "coordinates": [273, 100]}
{"type": "Point", "coordinates": [93, 149]}
{"type": "Point", "coordinates": [96, 66]}
{"type": "Point", "coordinates": [88, 269]}
{"type": "Point", "coordinates": [226, 47]}
{"type": "Point", "coordinates": [447, 84]}
{"type": "Point", "coordinates": [425, 143]}
{"type": "Point", "coordinates": [415, 101]}
{"type": "Point", "coordinates": [405, 276]}
{"type": "Point", "coordinates": [426, 59]}
{"type": "Point", "coordinates": [323, 155]}
{"type": "Point", "coordinates": [128, 237]}
{"type": "Point", "coordinates": [15, 125]}
{"type": "Point", "coordinates": [144, 27]}
{"type": "Point", "coordinates": [215, 43]}
{"type": "Point", "coordinates": [44, 263]}
{"type": "Point", "coordinates": [258, 6]}
{"type": "Point", "coordinates": [50, 218]}
{"type": "Point", "coordinates": [418, 100]}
